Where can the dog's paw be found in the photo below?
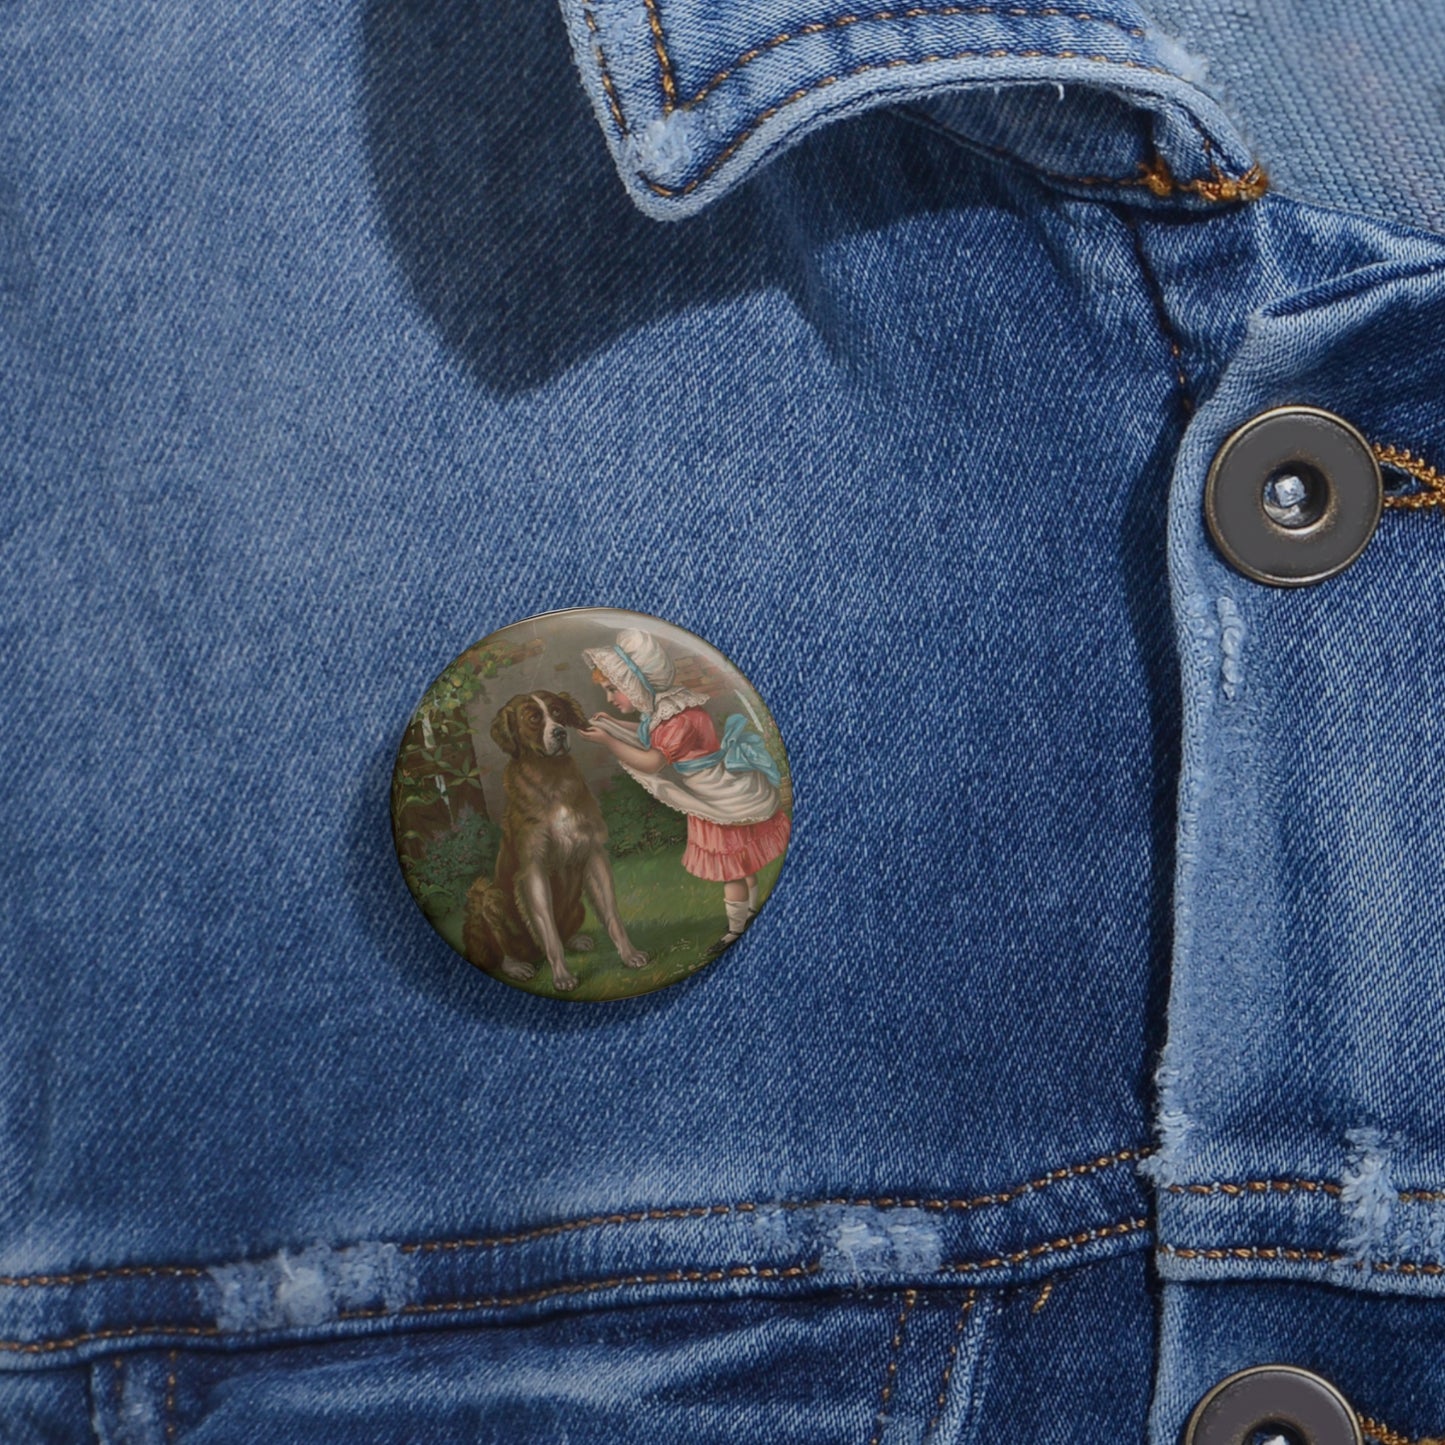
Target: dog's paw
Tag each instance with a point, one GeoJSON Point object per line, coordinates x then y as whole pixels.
{"type": "Point", "coordinates": [515, 968]}
{"type": "Point", "coordinates": [635, 957]}
{"type": "Point", "coordinates": [580, 943]}
{"type": "Point", "coordinates": [563, 980]}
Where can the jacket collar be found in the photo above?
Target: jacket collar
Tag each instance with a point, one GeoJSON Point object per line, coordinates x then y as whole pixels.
{"type": "Point", "coordinates": [695, 95]}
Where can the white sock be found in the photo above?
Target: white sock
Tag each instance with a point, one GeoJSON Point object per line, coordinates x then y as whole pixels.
{"type": "Point", "coordinates": [738, 915]}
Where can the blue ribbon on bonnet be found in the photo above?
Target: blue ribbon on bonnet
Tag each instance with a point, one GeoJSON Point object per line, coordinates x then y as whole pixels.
{"type": "Point", "coordinates": [743, 751]}
{"type": "Point", "coordinates": [637, 672]}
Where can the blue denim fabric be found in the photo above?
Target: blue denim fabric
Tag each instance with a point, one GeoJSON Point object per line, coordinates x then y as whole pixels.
{"type": "Point", "coordinates": [331, 343]}
{"type": "Point", "coordinates": [1340, 96]}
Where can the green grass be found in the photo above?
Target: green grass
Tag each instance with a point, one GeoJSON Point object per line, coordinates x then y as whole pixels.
{"type": "Point", "coordinates": [669, 914]}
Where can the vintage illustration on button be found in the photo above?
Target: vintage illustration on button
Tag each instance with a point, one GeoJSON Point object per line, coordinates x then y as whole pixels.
{"type": "Point", "coordinates": [591, 804]}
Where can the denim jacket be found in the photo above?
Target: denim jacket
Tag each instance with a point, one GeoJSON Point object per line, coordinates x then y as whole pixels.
{"type": "Point", "coordinates": [1092, 1045]}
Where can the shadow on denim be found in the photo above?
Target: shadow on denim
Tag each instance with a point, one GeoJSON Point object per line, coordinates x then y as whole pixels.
{"type": "Point", "coordinates": [506, 215]}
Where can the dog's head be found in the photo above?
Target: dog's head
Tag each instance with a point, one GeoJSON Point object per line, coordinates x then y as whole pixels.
{"type": "Point", "coordinates": [537, 722]}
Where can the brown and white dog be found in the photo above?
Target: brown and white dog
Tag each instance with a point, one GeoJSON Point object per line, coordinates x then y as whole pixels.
{"type": "Point", "coordinates": [554, 846]}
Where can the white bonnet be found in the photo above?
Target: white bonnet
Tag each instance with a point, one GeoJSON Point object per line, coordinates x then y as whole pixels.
{"type": "Point", "coordinates": [648, 658]}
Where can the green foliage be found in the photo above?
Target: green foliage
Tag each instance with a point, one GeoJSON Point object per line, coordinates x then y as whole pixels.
{"type": "Point", "coordinates": [460, 683]}
{"type": "Point", "coordinates": [436, 753]}
{"type": "Point", "coordinates": [637, 822]}
{"type": "Point", "coordinates": [441, 876]}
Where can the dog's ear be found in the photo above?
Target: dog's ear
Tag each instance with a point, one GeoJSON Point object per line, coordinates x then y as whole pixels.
{"type": "Point", "coordinates": [572, 713]}
{"type": "Point", "coordinates": [504, 729]}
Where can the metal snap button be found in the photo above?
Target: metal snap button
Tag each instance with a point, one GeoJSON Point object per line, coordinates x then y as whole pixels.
{"type": "Point", "coordinates": [591, 804]}
{"type": "Point", "coordinates": [1278, 1399]}
{"type": "Point", "coordinates": [1293, 496]}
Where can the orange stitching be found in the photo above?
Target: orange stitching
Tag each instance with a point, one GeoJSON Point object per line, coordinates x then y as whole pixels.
{"type": "Point", "coordinates": [568, 1226]}
{"type": "Point", "coordinates": [1000, 1197]}
{"type": "Point", "coordinates": [613, 102]}
{"type": "Point", "coordinates": [1235, 1190]}
{"type": "Point", "coordinates": [1254, 1251]}
{"type": "Point", "coordinates": [764, 116]}
{"type": "Point", "coordinates": [981, 1201]}
{"type": "Point", "coordinates": [1407, 1266]}
{"type": "Point", "coordinates": [129, 1332]}
{"type": "Point", "coordinates": [168, 1413]}
{"type": "Point", "coordinates": [125, 1271]}
{"type": "Point", "coordinates": [664, 60]}
{"type": "Point", "coordinates": [582, 1287]}
{"type": "Point", "coordinates": [1254, 181]}
{"type": "Point", "coordinates": [1386, 1436]}
{"type": "Point", "coordinates": [1142, 179]}
{"type": "Point", "coordinates": [636, 1216]}
{"type": "Point", "coordinates": [1259, 1186]}
{"type": "Point", "coordinates": [672, 1276]}
{"type": "Point", "coordinates": [1432, 496]}
{"type": "Point", "coordinates": [1218, 189]}
{"type": "Point", "coordinates": [942, 1402]}
{"type": "Point", "coordinates": [1382, 1433]}
{"type": "Point", "coordinates": [1296, 1255]}
{"type": "Point", "coordinates": [1222, 188]}
{"type": "Point", "coordinates": [914, 12]}
{"type": "Point", "coordinates": [1044, 1296]}
{"type": "Point", "coordinates": [1156, 175]}
{"type": "Point", "coordinates": [1053, 1246]}
{"type": "Point", "coordinates": [910, 1298]}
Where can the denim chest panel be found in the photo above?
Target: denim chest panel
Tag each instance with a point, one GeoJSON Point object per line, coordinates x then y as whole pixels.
{"type": "Point", "coordinates": [331, 344]}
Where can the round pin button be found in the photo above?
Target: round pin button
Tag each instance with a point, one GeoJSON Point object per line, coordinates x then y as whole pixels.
{"type": "Point", "coordinates": [1293, 496]}
{"type": "Point", "coordinates": [591, 804]}
{"type": "Point", "coordinates": [1273, 1399]}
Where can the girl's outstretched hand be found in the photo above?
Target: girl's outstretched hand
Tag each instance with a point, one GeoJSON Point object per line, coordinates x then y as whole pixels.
{"type": "Point", "coordinates": [594, 734]}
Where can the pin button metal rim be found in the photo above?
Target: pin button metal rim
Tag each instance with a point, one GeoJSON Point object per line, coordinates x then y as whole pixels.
{"type": "Point", "coordinates": [1302, 536]}
{"type": "Point", "coordinates": [1350, 1434]}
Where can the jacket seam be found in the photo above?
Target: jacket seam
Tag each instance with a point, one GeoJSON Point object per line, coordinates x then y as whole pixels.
{"type": "Point", "coordinates": [168, 1408]}
{"type": "Point", "coordinates": [1218, 187]}
{"type": "Point", "coordinates": [1160, 308]}
{"type": "Point", "coordinates": [1232, 1189]}
{"type": "Point", "coordinates": [664, 59]}
{"type": "Point", "coordinates": [614, 103]}
{"type": "Point", "coordinates": [822, 83]}
{"type": "Point", "coordinates": [1377, 1430]}
{"type": "Point", "coordinates": [1153, 175]}
{"type": "Point", "coordinates": [566, 1289]}
{"type": "Point", "coordinates": [1402, 460]}
{"type": "Point", "coordinates": [1051, 1246]}
{"type": "Point", "coordinates": [890, 1374]}
{"type": "Point", "coordinates": [950, 1362]}
{"type": "Point", "coordinates": [1236, 1189]}
{"type": "Point", "coordinates": [1298, 1255]}
{"type": "Point", "coordinates": [671, 103]}
{"type": "Point", "coordinates": [996, 1199]}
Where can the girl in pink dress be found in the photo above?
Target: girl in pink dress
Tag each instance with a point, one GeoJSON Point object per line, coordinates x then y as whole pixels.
{"type": "Point", "coordinates": [728, 786]}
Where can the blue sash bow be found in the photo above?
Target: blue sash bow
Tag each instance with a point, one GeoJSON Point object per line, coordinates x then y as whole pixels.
{"type": "Point", "coordinates": [743, 751]}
